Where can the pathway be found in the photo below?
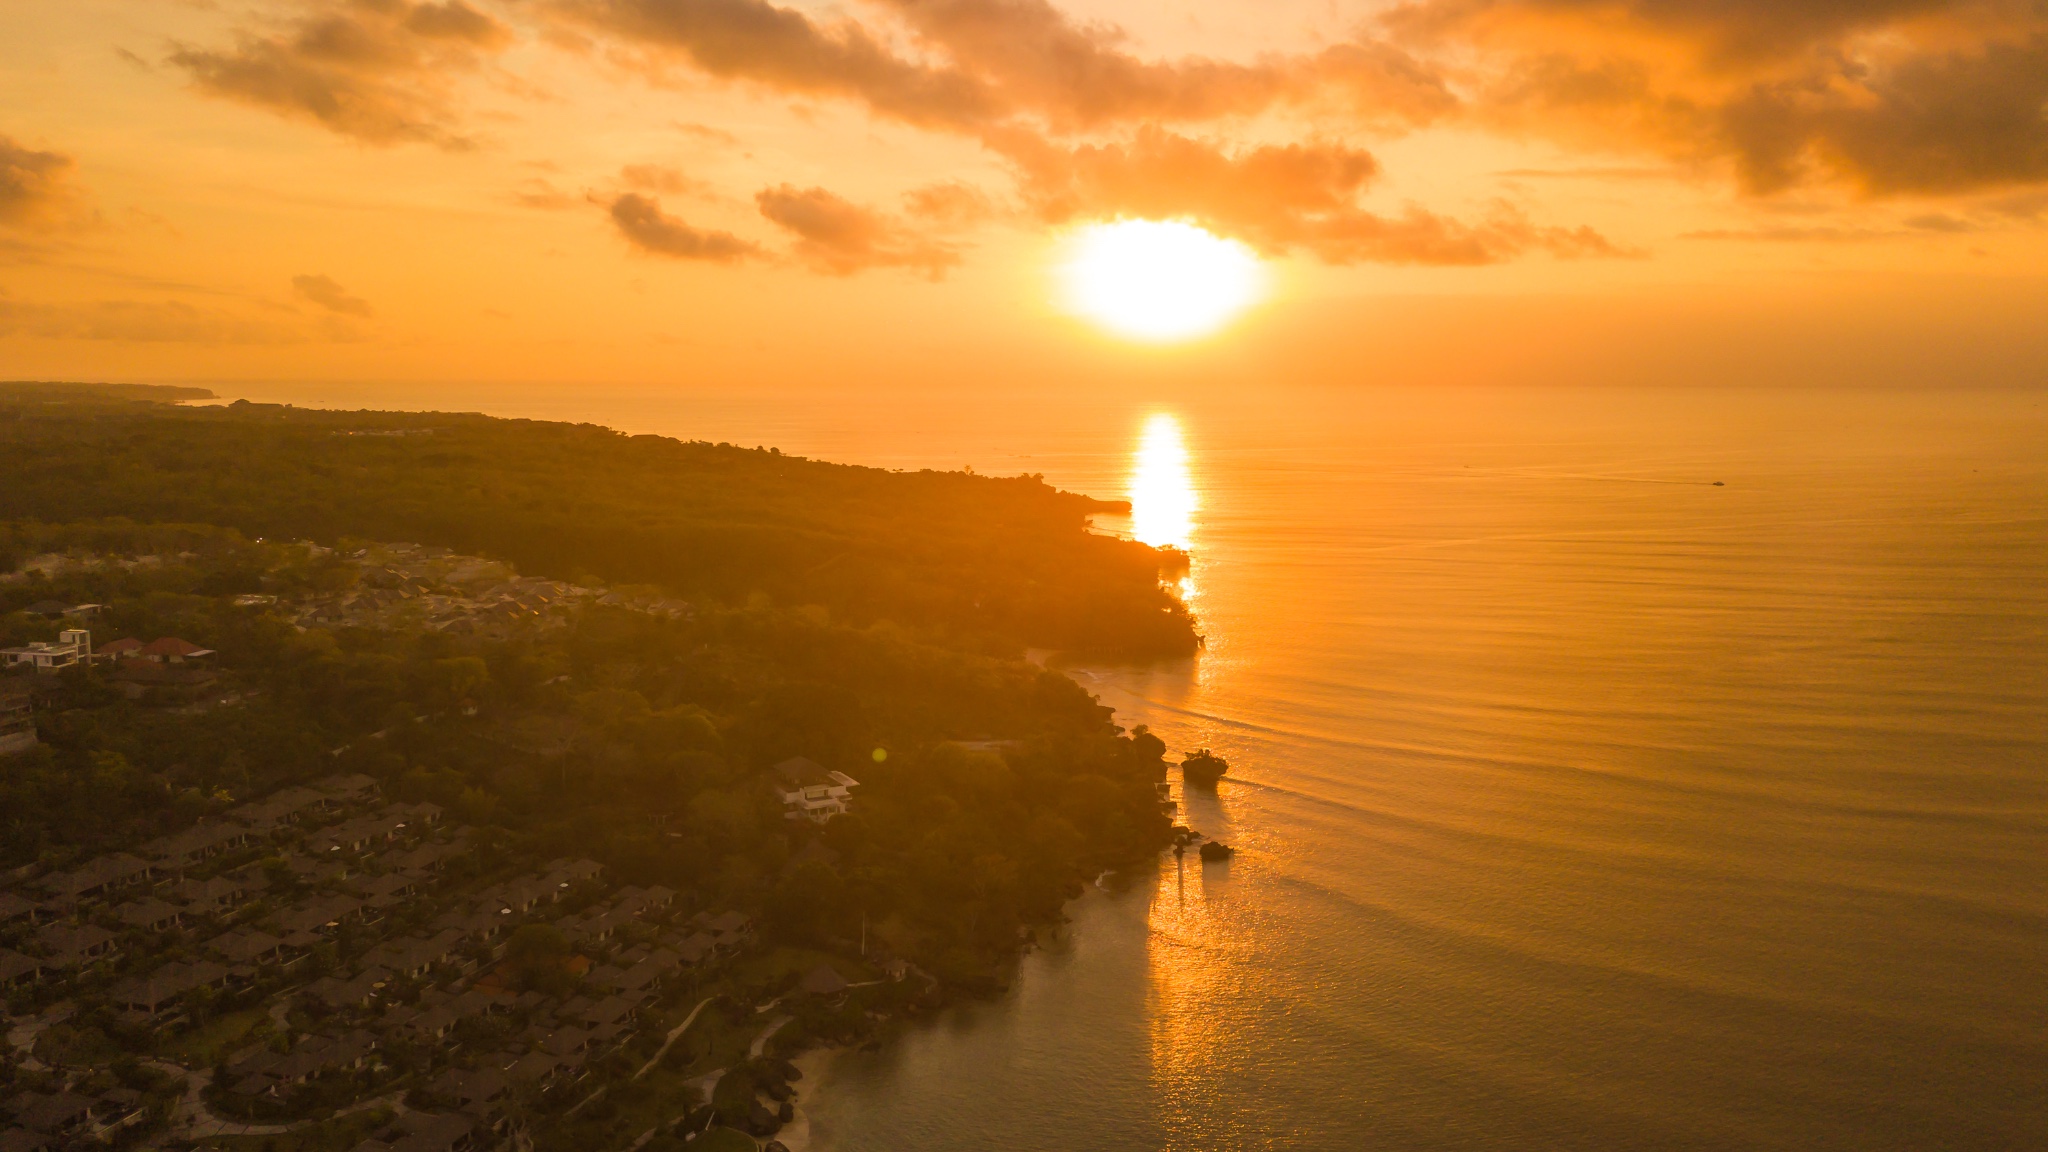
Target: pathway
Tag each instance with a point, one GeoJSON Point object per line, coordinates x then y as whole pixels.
{"type": "Point", "coordinates": [761, 1041]}
{"type": "Point", "coordinates": [673, 1034]}
{"type": "Point", "coordinates": [22, 1037]}
{"type": "Point", "coordinates": [195, 1120]}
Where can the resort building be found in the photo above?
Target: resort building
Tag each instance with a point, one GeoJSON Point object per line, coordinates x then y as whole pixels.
{"type": "Point", "coordinates": [809, 792]}
{"type": "Point", "coordinates": [72, 646]}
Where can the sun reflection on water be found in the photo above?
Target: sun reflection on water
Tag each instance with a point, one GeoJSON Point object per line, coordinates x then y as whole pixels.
{"type": "Point", "coordinates": [1162, 493]}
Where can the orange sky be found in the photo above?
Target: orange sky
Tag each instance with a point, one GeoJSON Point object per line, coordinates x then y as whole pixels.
{"type": "Point", "coordinates": [679, 192]}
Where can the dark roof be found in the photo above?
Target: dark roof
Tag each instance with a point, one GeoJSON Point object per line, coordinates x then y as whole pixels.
{"type": "Point", "coordinates": [824, 980]}
{"type": "Point", "coordinates": [798, 769]}
{"type": "Point", "coordinates": [172, 646]}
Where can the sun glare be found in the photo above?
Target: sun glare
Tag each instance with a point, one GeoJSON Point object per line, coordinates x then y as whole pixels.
{"type": "Point", "coordinates": [1162, 492]}
{"type": "Point", "coordinates": [1159, 280]}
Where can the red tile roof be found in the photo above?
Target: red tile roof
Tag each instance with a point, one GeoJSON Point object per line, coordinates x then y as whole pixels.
{"type": "Point", "coordinates": [172, 646]}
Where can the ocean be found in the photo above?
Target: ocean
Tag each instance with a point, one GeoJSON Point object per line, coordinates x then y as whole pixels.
{"type": "Point", "coordinates": [1610, 769]}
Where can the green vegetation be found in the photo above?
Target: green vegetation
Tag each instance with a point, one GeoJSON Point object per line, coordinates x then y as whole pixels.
{"type": "Point", "coordinates": [868, 621]}
{"type": "Point", "coordinates": [988, 563]}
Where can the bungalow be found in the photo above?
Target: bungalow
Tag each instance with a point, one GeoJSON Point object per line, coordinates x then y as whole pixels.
{"type": "Point", "coordinates": [823, 982]}
{"type": "Point", "coordinates": [54, 1114]}
{"type": "Point", "coordinates": [386, 890]}
{"type": "Point", "coordinates": [171, 650]}
{"type": "Point", "coordinates": [73, 646]}
{"type": "Point", "coordinates": [196, 843]}
{"type": "Point", "coordinates": [69, 946]}
{"type": "Point", "coordinates": [809, 792]}
{"type": "Point", "coordinates": [424, 859]}
{"type": "Point", "coordinates": [140, 679]}
{"type": "Point", "coordinates": [350, 788]}
{"type": "Point", "coordinates": [284, 806]}
{"type": "Point", "coordinates": [246, 946]}
{"type": "Point", "coordinates": [432, 1132]}
{"type": "Point", "coordinates": [729, 930]}
{"type": "Point", "coordinates": [319, 915]}
{"type": "Point", "coordinates": [479, 1094]}
{"type": "Point", "coordinates": [414, 956]}
{"type": "Point", "coordinates": [126, 648]}
{"type": "Point", "coordinates": [220, 894]}
{"type": "Point", "coordinates": [13, 907]}
{"type": "Point", "coordinates": [151, 915]}
{"type": "Point", "coordinates": [159, 990]}
{"type": "Point", "coordinates": [697, 948]}
{"type": "Point", "coordinates": [16, 968]}
{"type": "Point", "coordinates": [95, 879]}
{"type": "Point", "coordinates": [358, 992]}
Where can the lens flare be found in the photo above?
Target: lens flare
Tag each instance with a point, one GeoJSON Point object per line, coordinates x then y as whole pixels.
{"type": "Point", "coordinates": [1162, 493]}
{"type": "Point", "coordinates": [1159, 280]}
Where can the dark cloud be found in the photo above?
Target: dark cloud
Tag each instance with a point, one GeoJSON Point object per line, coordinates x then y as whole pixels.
{"type": "Point", "coordinates": [1278, 198]}
{"type": "Point", "coordinates": [372, 70]}
{"type": "Point", "coordinates": [641, 221]}
{"type": "Point", "coordinates": [1888, 97]}
{"type": "Point", "coordinates": [785, 50]}
{"type": "Point", "coordinates": [992, 61]}
{"type": "Point", "coordinates": [1078, 75]}
{"type": "Point", "coordinates": [326, 293]}
{"type": "Point", "coordinates": [1020, 74]}
{"type": "Point", "coordinates": [34, 188]}
{"type": "Point", "coordinates": [839, 237]}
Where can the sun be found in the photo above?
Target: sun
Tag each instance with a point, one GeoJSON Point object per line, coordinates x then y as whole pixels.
{"type": "Point", "coordinates": [1159, 280]}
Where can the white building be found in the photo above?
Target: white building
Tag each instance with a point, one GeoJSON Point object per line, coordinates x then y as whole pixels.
{"type": "Point", "coordinates": [809, 792]}
{"type": "Point", "coordinates": [72, 646]}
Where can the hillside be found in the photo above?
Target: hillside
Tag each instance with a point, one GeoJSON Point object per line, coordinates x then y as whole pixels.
{"type": "Point", "coordinates": [983, 562]}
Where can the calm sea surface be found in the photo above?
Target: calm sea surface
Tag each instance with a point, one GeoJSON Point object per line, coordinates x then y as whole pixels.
{"type": "Point", "coordinates": [1580, 802]}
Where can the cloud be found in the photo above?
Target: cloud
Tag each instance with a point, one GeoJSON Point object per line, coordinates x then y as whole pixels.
{"type": "Point", "coordinates": [839, 237]}
{"type": "Point", "coordinates": [1019, 75]}
{"type": "Point", "coordinates": [1278, 197]}
{"type": "Point", "coordinates": [1078, 75]}
{"type": "Point", "coordinates": [949, 203]}
{"type": "Point", "coordinates": [1886, 97]}
{"type": "Point", "coordinates": [34, 186]}
{"type": "Point", "coordinates": [784, 50]}
{"type": "Point", "coordinates": [326, 293]}
{"type": "Point", "coordinates": [153, 322]}
{"type": "Point", "coordinates": [988, 62]}
{"type": "Point", "coordinates": [641, 221]}
{"type": "Point", "coordinates": [659, 178]}
{"type": "Point", "coordinates": [372, 70]}
{"type": "Point", "coordinates": [1784, 234]}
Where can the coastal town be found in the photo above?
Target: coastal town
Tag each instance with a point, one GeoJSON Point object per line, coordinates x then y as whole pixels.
{"type": "Point", "coordinates": [326, 967]}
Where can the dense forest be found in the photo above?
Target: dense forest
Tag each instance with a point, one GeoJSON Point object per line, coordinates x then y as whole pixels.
{"type": "Point", "coordinates": [993, 564]}
{"type": "Point", "coordinates": [639, 740]}
{"type": "Point", "coordinates": [531, 654]}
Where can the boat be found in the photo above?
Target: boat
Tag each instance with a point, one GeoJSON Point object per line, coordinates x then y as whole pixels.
{"type": "Point", "coordinates": [1203, 768]}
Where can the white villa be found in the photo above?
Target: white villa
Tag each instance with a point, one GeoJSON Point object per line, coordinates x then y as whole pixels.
{"type": "Point", "coordinates": [809, 792]}
{"type": "Point", "coordinates": [72, 646]}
